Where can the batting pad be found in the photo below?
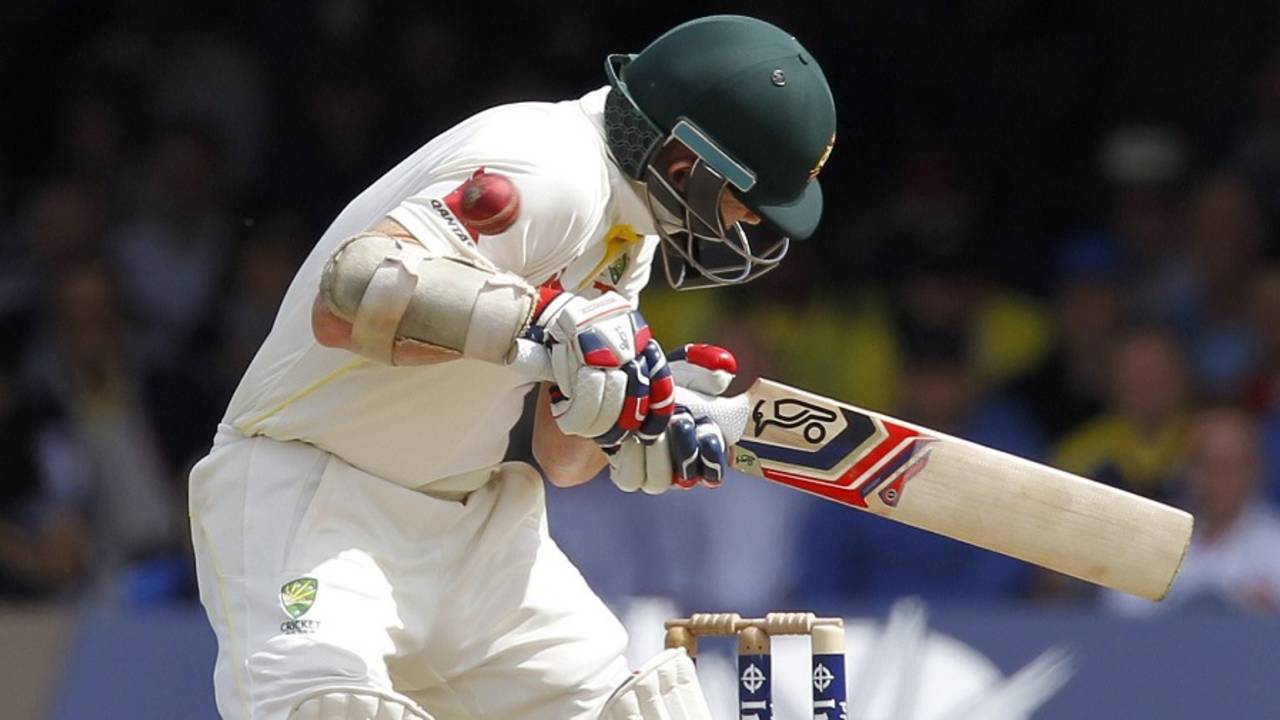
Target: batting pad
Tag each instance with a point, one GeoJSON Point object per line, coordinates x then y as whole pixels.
{"type": "Point", "coordinates": [665, 688]}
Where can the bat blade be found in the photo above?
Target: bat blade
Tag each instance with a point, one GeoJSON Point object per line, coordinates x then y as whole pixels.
{"type": "Point", "coordinates": [962, 490]}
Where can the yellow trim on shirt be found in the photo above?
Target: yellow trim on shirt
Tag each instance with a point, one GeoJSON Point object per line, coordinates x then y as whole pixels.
{"type": "Point", "coordinates": [251, 427]}
{"type": "Point", "coordinates": [237, 664]}
{"type": "Point", "coordinates": [617, 240]}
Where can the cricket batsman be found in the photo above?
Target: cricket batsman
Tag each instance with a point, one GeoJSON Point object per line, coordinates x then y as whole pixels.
{"type": "Point", "coordinates": [363, 551]}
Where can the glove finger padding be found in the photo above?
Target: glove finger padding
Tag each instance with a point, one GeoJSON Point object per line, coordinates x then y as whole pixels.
{"type": "Point", "coordinates": [662, 401]}
{"type": "Point", "coordinates": [657, 469]}
{"type": "Point", "coordinates": [596, 403]}
{"type": "Point", "coordinates": [627, 466]}
{"type": "Point", "coordinates": [682, 442]}
{"type": "Point", "coordinates": [635, 406]}
{"type": "Point", "coordinates": [708, 369]}
{"type": "Point", "coordinates": [711, 450]}
{"type": "Point", "coordinates": [636, 466]}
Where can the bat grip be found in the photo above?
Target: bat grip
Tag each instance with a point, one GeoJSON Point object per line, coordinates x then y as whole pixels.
{"type": "Point", "coordinates": [729, 413]}
{"type": "Point", "coordinates": [532, 361]}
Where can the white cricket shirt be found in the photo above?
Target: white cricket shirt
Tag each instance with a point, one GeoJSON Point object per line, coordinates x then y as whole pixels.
{"type": "Point", "coordinates": [414, 425]}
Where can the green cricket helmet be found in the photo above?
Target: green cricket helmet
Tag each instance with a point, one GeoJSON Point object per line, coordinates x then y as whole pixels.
{"type": "Point", "coordinates": [754, 107]}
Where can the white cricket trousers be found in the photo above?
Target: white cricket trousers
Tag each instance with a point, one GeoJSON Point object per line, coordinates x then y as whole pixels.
{"type": "Point", "coordinates": [317, 576]}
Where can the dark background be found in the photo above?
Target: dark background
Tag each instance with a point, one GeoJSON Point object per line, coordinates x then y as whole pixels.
{"type": "Point", "coordinates": [1050, 227]}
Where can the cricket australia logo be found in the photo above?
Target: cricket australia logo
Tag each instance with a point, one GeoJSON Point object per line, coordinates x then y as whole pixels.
{"type": "Point", "coordinates": [789, 413]}
{"type": "Point", "coordinates": [618, 267]}
{"type": "Point", "coordinates": [752, 678]}
{"type": "Point", "coordinates": [296, 598]}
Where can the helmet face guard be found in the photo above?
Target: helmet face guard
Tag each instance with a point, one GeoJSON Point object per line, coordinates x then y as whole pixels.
{"type": "Point", "coordinates": [698, 251]}
{"type": "Point", "coordinates": [755, 111]}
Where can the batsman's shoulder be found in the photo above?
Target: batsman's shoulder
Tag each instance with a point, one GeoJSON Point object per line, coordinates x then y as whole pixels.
{"type": "Point", "coordinates": [552, 155]}
{"type": "Point", "coordinates": [561, 174]}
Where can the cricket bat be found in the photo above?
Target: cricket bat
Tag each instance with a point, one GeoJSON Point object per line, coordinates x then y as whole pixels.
{"type": "Point", "coordinates": [949, 486]}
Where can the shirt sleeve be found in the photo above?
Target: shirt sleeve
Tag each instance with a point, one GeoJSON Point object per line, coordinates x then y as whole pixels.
{"type": "Point", "coordinates": [558, 214]}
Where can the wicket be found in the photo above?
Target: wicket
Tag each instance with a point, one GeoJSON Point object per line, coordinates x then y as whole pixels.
{"type": "Point", "coordinates": [755, 671]}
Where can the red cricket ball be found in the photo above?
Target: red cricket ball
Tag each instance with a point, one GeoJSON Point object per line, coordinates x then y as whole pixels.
{"type": "Point", "coordinates": [489, 203]}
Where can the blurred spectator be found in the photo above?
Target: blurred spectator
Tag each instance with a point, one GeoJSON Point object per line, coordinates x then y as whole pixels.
{"type": "Point", "coordinates": [932, 269]}
{"type": "Point", "coordinates": [1190, 263]}
{"type": "Point", "coordinates": [43, 493]}
{"type": "Point", "coordinates": [329, 148]}
{"type": "Point", "coordinates": [841, 347]}
{"type": "Point", "coordinates": [172, 255]}
{"type": "Point", "coordinates": [87, 367]}
{"type": "Point", "coordinates": [63, 225]}
{"type": "Point", "coordinates": [941, 391]}
{"type": "Point", "coordinates": [1259, 151]}
{"type": "Point", "coordinates": [852, 345]}
{"type": "Point", "coordinates": [1144, 170]}
{"type": "Point", "coordinates": [1141, 438]}
{"type": "Point", "coordinates": [209, 74]}
{"type": "Point", "coordinates": [265, 263]}
{"type": "Point", "coordinates": [16, 284]}
{"type": "Point", "coordinates": [1070, 386]}
{"type": "Point", "coordinates": [1224, 235]}
{"type": "Point", "coordinates": [680, 317]}
{"type": "Point", "coordinates": [945, 289]}
{"type": "Point", "coordinates": [1234, 558]}
{"type": "Point", "coordinates": [96, 133]}
{"type": "Point", "coordinates": [1262, 391]}
{"type": "Point", "coordinates": [1136, 156]}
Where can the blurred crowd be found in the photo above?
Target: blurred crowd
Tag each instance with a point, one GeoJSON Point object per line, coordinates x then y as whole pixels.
{"type": "Point", "coordinates": [1048, 231]}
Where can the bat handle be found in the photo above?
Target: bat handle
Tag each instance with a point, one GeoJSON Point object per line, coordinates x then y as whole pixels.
{"type": "Point", "coordinates": [532, 361]}
{"type": "Point", "coordinates": [731, 414]}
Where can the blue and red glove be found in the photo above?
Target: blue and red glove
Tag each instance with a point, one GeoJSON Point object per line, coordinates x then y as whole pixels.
{"type": "Point", "coordinates": [612, 379]}
{"type": "Point", "coordinates": [693, 449]}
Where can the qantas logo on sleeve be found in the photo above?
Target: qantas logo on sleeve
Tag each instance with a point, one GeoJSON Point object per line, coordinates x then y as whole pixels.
{"type": "Point", "coordinates": [451, 221]}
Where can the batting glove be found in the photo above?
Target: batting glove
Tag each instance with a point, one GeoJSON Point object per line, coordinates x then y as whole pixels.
{"type": "Point", "coordinates": [612, 379]}
{"type": "Point", "coordinates": [693, 448]}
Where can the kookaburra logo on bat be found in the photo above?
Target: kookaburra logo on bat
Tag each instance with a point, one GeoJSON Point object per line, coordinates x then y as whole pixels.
{"type": "Point", "coordinates": [790, 413]}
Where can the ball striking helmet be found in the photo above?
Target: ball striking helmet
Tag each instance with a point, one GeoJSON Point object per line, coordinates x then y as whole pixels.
{"type": "Point", "coordinates": [755, 109]}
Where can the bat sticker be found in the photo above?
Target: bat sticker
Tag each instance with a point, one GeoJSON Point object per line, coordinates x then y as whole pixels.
{"type": "Point", "coordinates": [790, 413]}
{"type": "Point", "coordinates": [892, 492]}
{"type": "Point", "coordinates": [878, 458]}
